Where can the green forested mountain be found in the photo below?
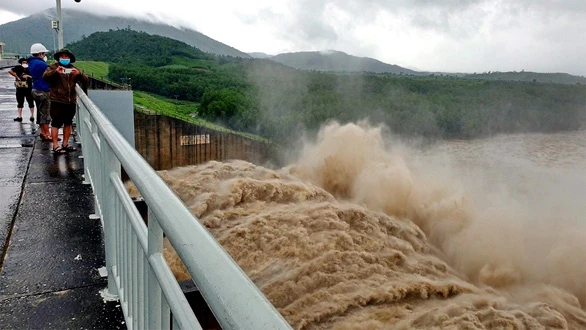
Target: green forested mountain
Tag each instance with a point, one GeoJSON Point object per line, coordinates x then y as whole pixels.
{"type": "Point", "coordinates": [264, 97]}
{"type": "Point", "coordinates": [336, 61]}
{"type": "Point", "coordinates": [121, 46]}
{"type": "Point", "coordinates": [20, 35]}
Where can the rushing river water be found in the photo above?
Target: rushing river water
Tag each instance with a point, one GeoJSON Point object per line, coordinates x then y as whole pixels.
{"type": "Point", "coordinates": [362, 232]}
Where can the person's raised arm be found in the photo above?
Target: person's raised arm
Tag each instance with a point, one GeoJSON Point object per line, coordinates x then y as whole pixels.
{"type": "Point", "coordinates": [51, 73]}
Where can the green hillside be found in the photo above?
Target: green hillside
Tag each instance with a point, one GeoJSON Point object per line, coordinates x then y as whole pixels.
{"type": "Point", "coordinates": [263, 97]}
{"type": "Point", "coordinates": [149, 102]}
{"type": "Point", "coordinates": [95, 69]}
{"type": "Point", "coordinates": [125, 45]}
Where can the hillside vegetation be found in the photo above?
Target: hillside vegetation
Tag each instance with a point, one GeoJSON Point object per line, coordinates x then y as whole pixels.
{"type": "Point", "coordinates": [526, 76]}
{"type": "Point", "coordinates": [267, 98]}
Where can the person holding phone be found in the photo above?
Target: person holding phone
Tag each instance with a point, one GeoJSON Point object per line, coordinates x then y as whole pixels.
{"type": "Point", "coordinates": [62, 77]}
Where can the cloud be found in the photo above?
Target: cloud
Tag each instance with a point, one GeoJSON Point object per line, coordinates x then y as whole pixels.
{"type": "Point", "coordinates": [7, 16]}
{"type": "Point", "coordinates": [434, 35]}
{"type": "Point", "coordinates": [24, 9]}
{"type": "Point", "coordinates": [453, 35]}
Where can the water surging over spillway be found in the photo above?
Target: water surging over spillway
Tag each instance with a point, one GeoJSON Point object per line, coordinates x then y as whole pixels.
{"type": "Point", "coordinates": [354, 235]}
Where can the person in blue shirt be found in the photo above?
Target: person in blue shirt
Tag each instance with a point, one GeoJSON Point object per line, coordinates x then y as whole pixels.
{"type": "Point", "coordinates": [37, 64]}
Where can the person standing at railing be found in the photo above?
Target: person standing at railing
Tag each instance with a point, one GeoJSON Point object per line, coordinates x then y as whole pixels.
{"type": "Point", "coordinates": [24, 87]}
{"type": "Point", "coordinates": [37, 64]}
{"type": "Point", "coordinates": [62, 77]}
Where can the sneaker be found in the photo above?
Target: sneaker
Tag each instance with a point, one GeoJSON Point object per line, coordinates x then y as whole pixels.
{"type": "Point", "coordinates": [32, 119]}
{"type": "Point", "coordinates": [18, 119]}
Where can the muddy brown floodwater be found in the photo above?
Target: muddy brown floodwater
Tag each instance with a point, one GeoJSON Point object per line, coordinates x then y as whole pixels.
{"type": "Point", "coordinates": [365, 232]}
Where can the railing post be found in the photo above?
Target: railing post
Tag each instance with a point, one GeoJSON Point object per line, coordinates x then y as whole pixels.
{"type": "Point", "coordinates": [95, 169]}
{"type": "Point", "coordinates": [155, 245]}
{"type": "Point", "coordinates": [82, 131]}
{"type": "Point", "coordinates": [109, 164]}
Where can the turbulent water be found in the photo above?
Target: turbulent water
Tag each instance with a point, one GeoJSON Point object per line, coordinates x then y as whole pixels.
{"type": "Point", "coordinates": [362, 231]}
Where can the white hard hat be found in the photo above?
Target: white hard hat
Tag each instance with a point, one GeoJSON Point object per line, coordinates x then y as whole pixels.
{"type": "Point", "coordinates": [38, 48]}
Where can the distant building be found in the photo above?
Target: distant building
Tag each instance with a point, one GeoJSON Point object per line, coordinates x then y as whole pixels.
{"type": "Point", "coordinates": [1, 50]}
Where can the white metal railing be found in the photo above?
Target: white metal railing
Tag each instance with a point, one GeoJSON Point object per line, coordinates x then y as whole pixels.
{"type": "Point", "coordinates": [137, 271]}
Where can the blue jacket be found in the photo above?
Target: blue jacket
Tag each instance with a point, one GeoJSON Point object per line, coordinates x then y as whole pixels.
{"type": "Point", "coordinates": [37, 67]}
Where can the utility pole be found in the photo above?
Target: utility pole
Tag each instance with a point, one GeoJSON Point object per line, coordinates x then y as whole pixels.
{"type": "Point", "coordinates": [59, 26]}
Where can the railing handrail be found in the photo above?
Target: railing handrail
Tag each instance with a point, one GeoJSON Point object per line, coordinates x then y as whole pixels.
{"type": "Point", "coordinates": [234, 299]}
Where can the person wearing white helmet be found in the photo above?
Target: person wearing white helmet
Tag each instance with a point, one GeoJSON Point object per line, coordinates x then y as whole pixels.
{"type": "Point", "coordinates": [37, 64]}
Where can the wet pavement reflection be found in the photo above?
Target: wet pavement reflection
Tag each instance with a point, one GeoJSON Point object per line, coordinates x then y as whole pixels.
{"type": "Point", "coordinates": [51, 249]}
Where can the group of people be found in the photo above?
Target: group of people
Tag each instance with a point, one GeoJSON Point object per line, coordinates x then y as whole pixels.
{"type": "Point", "coordinates": [52, 87]}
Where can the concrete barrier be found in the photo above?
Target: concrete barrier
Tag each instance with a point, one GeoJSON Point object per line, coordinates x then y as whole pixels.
{"type": "Point", "coordinates": [8, 63]}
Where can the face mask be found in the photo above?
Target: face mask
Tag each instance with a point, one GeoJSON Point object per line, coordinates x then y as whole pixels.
{"type": "Point", "coordinates": [45, 58]}
{"type": "Point", "coordinates": [25, 66]}
{"type": "Point", "coordinates": [64, 61]}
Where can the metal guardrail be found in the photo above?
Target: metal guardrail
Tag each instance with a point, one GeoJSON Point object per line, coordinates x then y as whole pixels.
{"type": "Point", "coordinates": [137, 272]}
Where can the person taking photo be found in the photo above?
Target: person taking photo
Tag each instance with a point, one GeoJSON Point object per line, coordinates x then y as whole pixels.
{"type": "Point", "coordinates": [62, 77]}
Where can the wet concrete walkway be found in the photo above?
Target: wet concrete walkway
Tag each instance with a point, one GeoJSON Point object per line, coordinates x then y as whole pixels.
{"type": "Point", "coordinates": [51, 249]}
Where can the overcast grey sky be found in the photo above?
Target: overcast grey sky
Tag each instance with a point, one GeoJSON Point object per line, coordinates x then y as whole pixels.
{"type": "Point", "coordinates": [430, 35]}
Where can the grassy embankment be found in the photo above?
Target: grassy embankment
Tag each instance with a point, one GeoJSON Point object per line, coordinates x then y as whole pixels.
{"type": "Point", "coordinates": [148, 102]}
{"type": "Point", "coordinates": [97, 70]}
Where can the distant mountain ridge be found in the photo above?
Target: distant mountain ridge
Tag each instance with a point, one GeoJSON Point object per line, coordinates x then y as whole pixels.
{"type": "Point", "coordinates": [337, 61]}
{"type": "Point", "coordinates": [527, 76]}
{"type": "Point", "coordinates": [20, 34]}
{"type": "Point", "coordinates": [260, 55]}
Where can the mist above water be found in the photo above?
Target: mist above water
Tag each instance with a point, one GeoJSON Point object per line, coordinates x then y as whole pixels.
{"type": "Point", "coordinates": [363, 232]}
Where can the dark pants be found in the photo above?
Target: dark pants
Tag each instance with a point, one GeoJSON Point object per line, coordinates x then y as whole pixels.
{"type": "Point", "coordinates": [62, 114]}
{"type": "Point", "coordinates": [24, 93]}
